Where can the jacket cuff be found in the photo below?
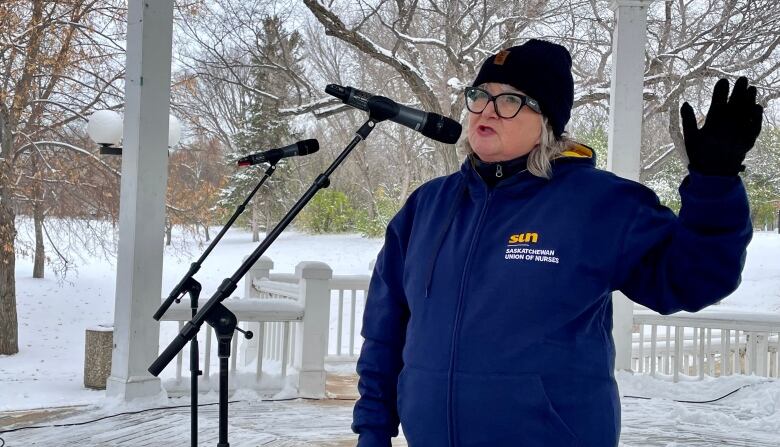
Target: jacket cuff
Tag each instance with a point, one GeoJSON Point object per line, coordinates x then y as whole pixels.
{"type": "Point", "coordinates": [369, 438]}
{"type": "Point", "coordinates": [712, 203]}
{"type": "Point", "coordinates": [699, 177]}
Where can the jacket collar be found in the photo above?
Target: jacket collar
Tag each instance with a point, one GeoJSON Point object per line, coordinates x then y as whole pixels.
{"type": "Point", "coordinates": [576, 156]}
{"type": "Point", "coordinates": [494, 173]}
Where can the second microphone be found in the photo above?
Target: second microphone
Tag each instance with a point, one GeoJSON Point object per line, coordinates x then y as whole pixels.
{"type": "Point", "coordinates": [304, 147]}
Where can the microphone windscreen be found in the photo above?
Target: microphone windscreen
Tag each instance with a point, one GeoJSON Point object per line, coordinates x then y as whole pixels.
{"type": "Point", "coordinates": [441, 128]}
{"type": "Point", "coordinates": [337, 91]}
{"type": "Point", "coordinates": [245, 161]}
{"type": "Point", "coordinates": [309, 146]}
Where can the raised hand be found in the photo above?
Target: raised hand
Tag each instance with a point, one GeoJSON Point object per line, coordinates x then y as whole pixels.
{"type": "Point", "coordinates": [729, 132]}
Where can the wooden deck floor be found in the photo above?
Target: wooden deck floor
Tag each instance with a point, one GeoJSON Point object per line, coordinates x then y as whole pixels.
{"type": "Point", "coordinates": [297, 423]}
{"type": "Point", "coordinates": [323, 423]}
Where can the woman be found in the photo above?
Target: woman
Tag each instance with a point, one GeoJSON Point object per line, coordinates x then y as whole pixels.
{"type": "Point", "coordinates": [489, 315]}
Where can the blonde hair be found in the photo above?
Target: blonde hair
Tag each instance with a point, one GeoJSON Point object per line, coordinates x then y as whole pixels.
{"type": "Point", "coordinates": [540, 156]}
{"type": "Point", "coordinates": [548, 149]}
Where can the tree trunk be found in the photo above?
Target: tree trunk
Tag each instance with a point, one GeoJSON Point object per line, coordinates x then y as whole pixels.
{"type": "Point", "coordinates": [268, 223]}
{"type": "Point", "coordinates": [255, 220]}
{"type": "Point", "coordinates": [206, 230]}
{"type": "Point", "coordinates": [9, 326]}
{"type": "Point", "coordinates": [40, 253]}
{"type": "Point", "coordinates": [168, 228]}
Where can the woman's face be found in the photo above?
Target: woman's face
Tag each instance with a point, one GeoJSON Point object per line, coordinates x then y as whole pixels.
{"type": "Point", "coordinates": [499, 139]}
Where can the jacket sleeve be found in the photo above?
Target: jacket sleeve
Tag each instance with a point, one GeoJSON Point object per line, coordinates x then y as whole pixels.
{"type": "Point", "coordinates": [669, 263]}
{"type": "Point", "coordinates": [375, 417]}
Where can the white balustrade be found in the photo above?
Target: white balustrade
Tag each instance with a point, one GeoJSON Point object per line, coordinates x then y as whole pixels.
{"type": "Point", "coordinates": [349, 298]}
{"type": "Point", "coordinates": [713, 343]}
{"type": "Point", "coordinates": [292, 317]}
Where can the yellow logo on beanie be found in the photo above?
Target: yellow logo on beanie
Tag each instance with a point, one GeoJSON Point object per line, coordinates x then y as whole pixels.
{"type": "Point", "coordinates": [501, 57]}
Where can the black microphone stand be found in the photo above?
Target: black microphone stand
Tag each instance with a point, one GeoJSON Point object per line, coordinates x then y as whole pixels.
{"type": "Point", "coordinates": [220, 317]}
{"type": "Point", "coordinates": [190, 285]}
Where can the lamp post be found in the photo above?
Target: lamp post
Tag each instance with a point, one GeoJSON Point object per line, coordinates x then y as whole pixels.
{"type": "Point", "coordinates": [105, 129]}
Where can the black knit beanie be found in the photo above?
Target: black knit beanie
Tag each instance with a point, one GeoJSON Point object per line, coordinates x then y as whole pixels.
{"type": "Point", "coordinates": [542, 70]}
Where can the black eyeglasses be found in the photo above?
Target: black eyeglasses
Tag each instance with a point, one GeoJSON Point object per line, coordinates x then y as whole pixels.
{"type": "Point", "coordinates": [506, 105]}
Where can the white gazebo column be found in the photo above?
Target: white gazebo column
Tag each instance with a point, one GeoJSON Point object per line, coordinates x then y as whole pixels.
{"type": "Point", "coordinates": [625, 132]}
{"type": "Point", "coordinates": [142, 198]}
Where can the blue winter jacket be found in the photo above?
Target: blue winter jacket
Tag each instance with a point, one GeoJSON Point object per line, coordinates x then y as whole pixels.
{"type": "Point", "coordinates": [489, 314]}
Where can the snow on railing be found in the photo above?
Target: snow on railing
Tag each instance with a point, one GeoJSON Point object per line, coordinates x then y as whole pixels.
{"type": "Point", "coordinates": [278, 313]}
{"type": "Point", "coordinates": [712, 343]}
{"type": "Point", "coordinates": [275, 334]}
{"type": "Point", "coordinates": [348, 295]}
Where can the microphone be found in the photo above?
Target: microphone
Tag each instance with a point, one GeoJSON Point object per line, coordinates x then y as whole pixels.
{"type": "Point", "coordinates": [432, 125]}
{"type": "Point", "coordinates": [304, 147]}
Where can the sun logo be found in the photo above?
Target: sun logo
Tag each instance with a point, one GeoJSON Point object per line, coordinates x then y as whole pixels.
{"type": "Point", "coordinates": [524, 238]}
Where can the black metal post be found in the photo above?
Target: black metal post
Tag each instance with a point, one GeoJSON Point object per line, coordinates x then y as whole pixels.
{"type": "Point", "coordinates": [195, 371]}
{"type": "Point", "coordinates": [223, 398]}
{"type": "Point", "coordinates": [224, 323]}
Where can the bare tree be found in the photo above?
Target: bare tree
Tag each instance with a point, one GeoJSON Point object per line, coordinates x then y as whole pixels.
{"type": "Point", "coordinates": [424, 53]}
{"type": "Point", "coordinates": [243, 75]}
{"type": "Point", "coordinates": [430, 44]}
{"type": "Point", "coordinates": [434, 47]}
{"type": "Point", "coordinates": [197, 173]}
{"type": "Point", "coordinates": [53, 59]}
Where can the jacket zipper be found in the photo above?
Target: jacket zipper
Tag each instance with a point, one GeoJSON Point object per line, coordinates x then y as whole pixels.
{"type": "Point", "coordinates": [450, 383]}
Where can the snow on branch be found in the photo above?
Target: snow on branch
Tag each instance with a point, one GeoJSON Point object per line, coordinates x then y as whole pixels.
{"type": "Point", "coordinates": [61, 105]}
{"type": "Point", "coordinates": [420, 40]}
{"type": "Point", "coordinates": [85, 29]}
{"type": "Point", "coordinates": [593, 94]}
{"type": "Point", "coordinates": [669, 148]}
{"type": "Point", "coordinates": [388, 57]}
{"type": "Point", "coordinates": [321, 108]}
{"type": "Point", "coordinates": [334, 26]}
{"type": "Point", "coordinates": [238, 83]}
{"type": "Point", "coordinates": [70, 147]}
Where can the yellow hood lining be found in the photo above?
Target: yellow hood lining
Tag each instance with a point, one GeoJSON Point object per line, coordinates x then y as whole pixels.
{"type": "Point", "coordinates": [578, 150]}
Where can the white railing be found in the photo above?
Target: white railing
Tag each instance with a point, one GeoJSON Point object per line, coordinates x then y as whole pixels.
{"type": "Point", "coordinates": [275, 334]}
{"type": "Point", "coordinates": [278, 311]}
{"type": "Point", "coordinates": [299, 320]}
{"type": "Point", "coordinates": [348, 299]}
{"type": "Point", "coordinates": [712, 343]}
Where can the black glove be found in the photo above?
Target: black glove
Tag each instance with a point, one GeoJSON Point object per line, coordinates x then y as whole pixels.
{"type": "Point", "coordinates": [730, 130]}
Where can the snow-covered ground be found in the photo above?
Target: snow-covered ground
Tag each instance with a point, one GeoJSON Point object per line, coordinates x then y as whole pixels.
{"type": "Point", "coordinates": [53, 315]}
{"type": "Point", "coordinates": [48, 371]}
